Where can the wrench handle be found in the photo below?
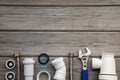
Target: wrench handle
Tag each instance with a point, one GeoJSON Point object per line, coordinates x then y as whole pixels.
{"type": "Point", "coordinates": [84, 75]}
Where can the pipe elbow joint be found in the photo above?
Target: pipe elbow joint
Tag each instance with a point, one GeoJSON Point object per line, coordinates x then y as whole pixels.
{"type": "Point", "coordinates": [60, 67]}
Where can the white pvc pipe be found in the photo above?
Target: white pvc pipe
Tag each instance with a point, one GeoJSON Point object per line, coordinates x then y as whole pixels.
{"type": "Point", "coordinates": [60, 67]}
{"type": "Point", "coordinates": [96, 63]}
{"type": "Point", "coordinates": [107, 66]}
{"type": "Point", "coordinates": [41, 72]}
{"type": "Point", "coordinates": [28, 68]}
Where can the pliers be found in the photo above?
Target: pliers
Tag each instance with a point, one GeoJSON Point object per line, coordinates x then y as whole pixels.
{"type": "Point", "coordinates": [84, 58]}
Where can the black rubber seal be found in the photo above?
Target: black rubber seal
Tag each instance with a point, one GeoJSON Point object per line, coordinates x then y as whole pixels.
{"type": "Point", "coordinates": [8, 64]}
{"type": "Point", "coordinates": [9, 75]}
{"type": "Point", "coordinates": [43, 55]}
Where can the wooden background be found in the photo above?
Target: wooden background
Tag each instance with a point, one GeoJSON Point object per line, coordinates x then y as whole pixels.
{"type": "Point", "coordinates": [59, 27]}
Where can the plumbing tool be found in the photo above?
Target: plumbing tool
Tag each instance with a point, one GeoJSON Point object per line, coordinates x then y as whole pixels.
{"type": "Point", "coordinates": [84, 58]}
{"type": "Point", "coordinates": [28, 68]}
{"type": "Point", "coordinates": [71, 65]}
{"type": "Point", "coordinates": [42, 72]}
{"type": "Point", "coordinates": [107, 67]}
{"type": "Point", "coordinates": [10, 75]}
{"type": "Point", "coordinates": [17, 55]}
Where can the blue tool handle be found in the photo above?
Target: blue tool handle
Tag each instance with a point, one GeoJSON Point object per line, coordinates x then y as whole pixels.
{"type": "Point", "coordinates": [84, 75]}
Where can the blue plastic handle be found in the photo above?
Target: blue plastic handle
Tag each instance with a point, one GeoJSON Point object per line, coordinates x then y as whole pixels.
{"type": "Point", "coordinates": [84, 75]}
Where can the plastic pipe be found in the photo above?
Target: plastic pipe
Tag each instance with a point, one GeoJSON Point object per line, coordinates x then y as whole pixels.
{"type": "Point", "coordinates": [41, 72]}
{"type": "Point", "coordinates": [71, 66]}
{"type": "Point", "coordinates": [17, 56]}
{"type": "Point", "coordinates": [107, 66]}
{"type": "Point", "coordinates": [96, 63]}
{"type": "Point", "coordinates": [28, 68]}
{"type": "Point", "coordinates": [60, 67]}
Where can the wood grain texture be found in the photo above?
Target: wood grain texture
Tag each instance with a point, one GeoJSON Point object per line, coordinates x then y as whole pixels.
{"type": "Point", "coordinates": [59, 43]}
{"type": "Point", "coordinates": [60, 18]}
{"type": "Point", "coordinates": [33, 26]}
{"type": "Point", "coordinates": [60, 2]}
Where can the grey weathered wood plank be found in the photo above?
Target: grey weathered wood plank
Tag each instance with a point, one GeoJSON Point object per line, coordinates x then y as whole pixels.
{"type": "Point", "coordinates": [59, 2]}
{"type": "Point", "coordinates": [59, 43]}
{"type": "Point", "coordinates": [60, 18]}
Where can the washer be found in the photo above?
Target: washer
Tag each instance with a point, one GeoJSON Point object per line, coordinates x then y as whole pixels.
{"type": "Point", "coordinates": [43, 58]}
{"type": "Point", "coordinates": [10, 76]}
{"type": "Point", "coordinates": [10, 64]}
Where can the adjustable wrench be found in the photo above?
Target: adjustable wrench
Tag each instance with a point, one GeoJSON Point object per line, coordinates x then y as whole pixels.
{"type": "Point", "coordinates": [84, 58]}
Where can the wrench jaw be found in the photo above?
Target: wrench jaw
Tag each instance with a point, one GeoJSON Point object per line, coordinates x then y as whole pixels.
{"type": "Point", "coordinates": [84, 57]}
{"type": "Point", "coordinates": [88, 52]}
{"type": "Point", "coordinates": [80, 54]}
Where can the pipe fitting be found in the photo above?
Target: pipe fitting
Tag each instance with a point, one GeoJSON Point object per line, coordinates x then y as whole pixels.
{"type": "Point", "coordinates": [107, 66]}
{"type": "Point", "coordinates": [10, 75]}
{"type": "Point", "coordinates": [10, 64]}
{"type": "Point", "coordinates": [96, 63]}
{"type": "Point", "coordinates": [60, 67]}
{"type": "Point", "coordinates": [41, 72]}
{"type": "Point", "coordinates": [28, 68]}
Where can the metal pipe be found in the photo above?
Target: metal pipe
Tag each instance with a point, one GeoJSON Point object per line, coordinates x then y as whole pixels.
{"type": "Point", "coordinates": [17, 55]}
{"type": "Point", "coordinates": [71, 65]}
{"type": "Point", "coordinates": [30, 55]}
